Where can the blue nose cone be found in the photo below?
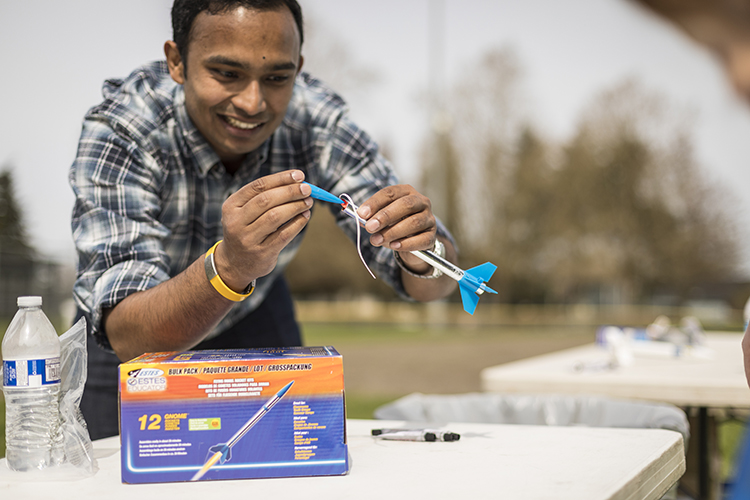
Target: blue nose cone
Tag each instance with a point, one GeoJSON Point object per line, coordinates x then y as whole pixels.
{"type": "Point", "coordinates": [323, 195]}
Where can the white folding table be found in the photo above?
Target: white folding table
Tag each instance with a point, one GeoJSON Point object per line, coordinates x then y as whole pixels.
{"type": "Point", "coordinates": [706, 377]}
{"type": "Point", "coordinates": [489, 461]}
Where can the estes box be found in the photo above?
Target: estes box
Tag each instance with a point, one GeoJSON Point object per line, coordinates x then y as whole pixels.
{"type": "Point", "coordinates": [232, 414]}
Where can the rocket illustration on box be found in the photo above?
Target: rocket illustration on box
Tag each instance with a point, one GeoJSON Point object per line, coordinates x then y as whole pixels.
{"type": "Point", "coordinates": [223, 451]}
{"type": "Point", "coordinates": [471, 282]}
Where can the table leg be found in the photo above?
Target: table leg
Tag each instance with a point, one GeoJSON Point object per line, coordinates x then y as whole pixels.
{"type": "Point", "coordinates": [703, 454]}
{"type": "Point", "coordinates": [702, 479]}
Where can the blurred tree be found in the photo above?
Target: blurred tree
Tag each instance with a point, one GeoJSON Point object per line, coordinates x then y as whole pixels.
{"type": "Point", "coordinates": [630, 211]}
{"type": "Point", "coordinates": [619, 212]}
{"type": "Point", "coordinates": [594, 220]}
{"type": "Point", "coordinates": [13, 236]}
{"type": "Point", "coordinates": [17, 255]}
{"type": "Point", "coordinates": [328, 58]}
{"type": "Point", "coordinates": [527, 209]}
{"type": "Point", "coordinates": [702, 246]}
{"type": "Point", "coordinates": [441, 180]}
{"type": "Point", "coordinates": [327, 264]}
{"type": "Point", "coordinates": [467, 156]}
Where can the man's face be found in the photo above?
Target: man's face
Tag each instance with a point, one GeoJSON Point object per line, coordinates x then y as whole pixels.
{"type": "Point", "coordinates": [239, 77]}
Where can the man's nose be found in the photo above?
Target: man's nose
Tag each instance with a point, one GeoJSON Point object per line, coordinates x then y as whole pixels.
{"type": "Point", "coordinates": [251, 99]}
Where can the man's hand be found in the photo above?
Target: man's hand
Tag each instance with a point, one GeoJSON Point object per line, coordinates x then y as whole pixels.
{"type": "Point", "coordinates": [401, 218]}
{"type": "Point", "coordinates": [260, 220]}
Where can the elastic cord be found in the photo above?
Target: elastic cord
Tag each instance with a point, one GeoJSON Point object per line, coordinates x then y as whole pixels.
{"type": "Point", "coordinates": [359, 242]}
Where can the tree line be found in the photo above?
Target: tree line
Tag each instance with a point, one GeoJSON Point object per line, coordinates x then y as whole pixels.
{"type": "Point", "coordinates": [23, 271]}
{"type": "Point", "coordinates": [620, 212]}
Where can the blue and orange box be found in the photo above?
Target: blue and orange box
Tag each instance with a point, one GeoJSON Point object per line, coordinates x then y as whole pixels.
{"type": "Point", "coordinates": [233, 414]}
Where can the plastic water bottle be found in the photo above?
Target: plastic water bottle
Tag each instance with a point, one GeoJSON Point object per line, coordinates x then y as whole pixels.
{"type": "Point", "coordinates": [31, 385]}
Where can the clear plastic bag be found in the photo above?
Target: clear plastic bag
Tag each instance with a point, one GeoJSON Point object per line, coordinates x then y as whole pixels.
{"type": "Point", "coordinates": [73, 354]}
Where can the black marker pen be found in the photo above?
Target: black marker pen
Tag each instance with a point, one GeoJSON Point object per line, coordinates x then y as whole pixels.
{"type": "Point", "coordinates": [415, 435]}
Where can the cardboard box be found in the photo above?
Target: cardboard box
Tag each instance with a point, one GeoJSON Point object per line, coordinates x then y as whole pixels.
{"type": "Point", "coordinates": [228, 414]}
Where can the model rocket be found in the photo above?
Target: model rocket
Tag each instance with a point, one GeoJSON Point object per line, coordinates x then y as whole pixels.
{"type": "Point", "coordinates": [223, 451]}
{"type": "Point", "coordinates": [471, 282]}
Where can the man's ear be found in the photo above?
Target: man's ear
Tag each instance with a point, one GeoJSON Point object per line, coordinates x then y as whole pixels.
{"type": "Point", "coordinates": [174, 62]}
{"type": "Point", "coordinates": [301, 62]}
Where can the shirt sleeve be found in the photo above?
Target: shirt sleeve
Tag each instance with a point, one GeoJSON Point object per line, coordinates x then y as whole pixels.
{"type": "Point", "coordinates": [352, 164]}
{"type": "Point", "coordinates": [115, 221]}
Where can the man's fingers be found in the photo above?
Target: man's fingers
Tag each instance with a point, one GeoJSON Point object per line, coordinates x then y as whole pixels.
{"type": "Point", "coordinates": [250, 226]}
{"type": "Point", "coordinates": [382, 199]}
{"type": "Point", "coordinates": [410, 241]}
{"type": "Point", "coordinates": [399, 217]}
{"type": "Point", "coordinates": [259, 220]}
{"type": "Point", "coordinates": [251, 251]}
{"type": "Point", "coordinates": [404, 226]}
{"type": "Point", "coordinates": [292, 179]}
{"type": "Point", "coordinates": [274, 219]}
{"type": "Point", "coordinates": [264, 196]}
{"type": "Point", "coordinates": [284, 234]}
{"type": "Point", "coordinates": [391, 205]}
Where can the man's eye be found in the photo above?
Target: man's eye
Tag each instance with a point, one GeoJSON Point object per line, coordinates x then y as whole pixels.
{"type": "Point", "coordinates": [278, 79]}
{"type": "Point", "coordinates": [225, 74]}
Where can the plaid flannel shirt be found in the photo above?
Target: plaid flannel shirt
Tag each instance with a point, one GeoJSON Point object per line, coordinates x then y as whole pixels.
{"type": "Point", "coordinates": [149, 188]}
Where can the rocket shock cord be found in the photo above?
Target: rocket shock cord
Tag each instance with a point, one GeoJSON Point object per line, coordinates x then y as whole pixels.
{"type": "Point", "coordinates": [348, 201]}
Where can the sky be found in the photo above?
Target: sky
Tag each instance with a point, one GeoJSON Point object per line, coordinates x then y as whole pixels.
{"type": "Point", "coordinates": [55, 55]}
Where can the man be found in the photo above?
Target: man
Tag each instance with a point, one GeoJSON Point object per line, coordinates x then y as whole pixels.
{"type": "Point", "coordinates": [189, 194]}
{"type": "Point", "coordinates": [723, 27]}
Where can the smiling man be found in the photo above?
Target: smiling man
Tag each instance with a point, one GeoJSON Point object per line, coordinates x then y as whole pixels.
{"type": "Point", "coordinates": [190, 202]}
{"type": "Point", "coordinates": [243, 65]}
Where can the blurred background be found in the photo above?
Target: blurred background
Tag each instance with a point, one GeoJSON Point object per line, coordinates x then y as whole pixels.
{"type": "Point", "coordinates": [589, 149]}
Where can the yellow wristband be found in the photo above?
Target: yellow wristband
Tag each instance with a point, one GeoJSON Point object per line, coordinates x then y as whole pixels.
{"type": "Point", "coordinates": [213, 277]}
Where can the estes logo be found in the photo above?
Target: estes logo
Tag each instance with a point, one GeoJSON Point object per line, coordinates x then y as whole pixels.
{"type": "Point", "coordinates": [146, 372]}
{"type": "Point", "coordinates": [146, 379]}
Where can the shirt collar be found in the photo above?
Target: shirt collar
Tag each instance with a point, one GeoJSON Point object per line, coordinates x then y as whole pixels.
{"type": "Point", "coordinates": [200, 150]}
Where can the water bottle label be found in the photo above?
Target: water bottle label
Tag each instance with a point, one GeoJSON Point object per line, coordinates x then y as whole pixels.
{"type": "Point", "coordinates": [31, 372]}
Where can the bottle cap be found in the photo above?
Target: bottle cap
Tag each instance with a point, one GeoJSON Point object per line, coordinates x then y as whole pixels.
{"type": "Point", "coordinates": [29, 301]}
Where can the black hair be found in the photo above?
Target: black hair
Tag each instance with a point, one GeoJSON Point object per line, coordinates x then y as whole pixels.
{"type": "Point", "coordinates": [184, 13]}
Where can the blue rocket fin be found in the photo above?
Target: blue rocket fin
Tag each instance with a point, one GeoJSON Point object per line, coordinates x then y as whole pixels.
{"type": "Point", "coordinates": [469, 297]}
{"type": "Point", "coordinates": [471, 282]}
{"type": "Point", "coordinates": [484, 271]}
